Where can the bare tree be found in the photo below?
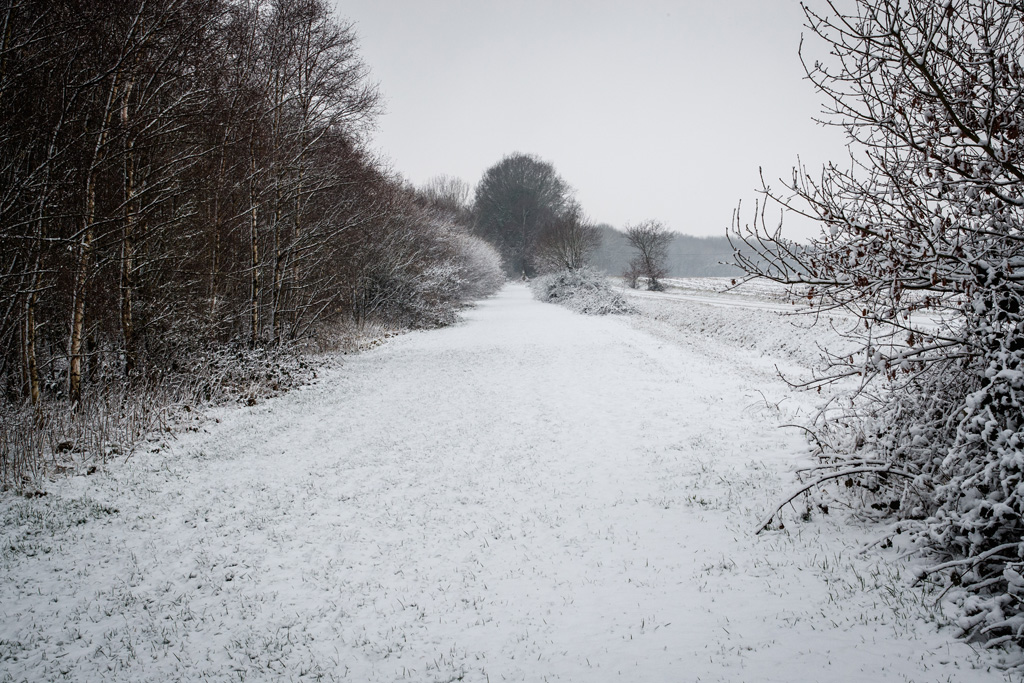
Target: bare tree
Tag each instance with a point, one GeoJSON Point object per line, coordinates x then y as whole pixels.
{"type": "Point", "coordinates": [447, 192]}
{"type": "Point", "coordinates": [650, 239]}
{"type": "Point", "coordinates": [631, 274]}
{"type": "Point", "coordinates": [569, 241]}
{"type": "Point", "coordinates": [923, 243]}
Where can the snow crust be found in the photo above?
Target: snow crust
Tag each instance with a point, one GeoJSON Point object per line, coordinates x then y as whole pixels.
{"type": "Point", "coordinates": [530, 495]}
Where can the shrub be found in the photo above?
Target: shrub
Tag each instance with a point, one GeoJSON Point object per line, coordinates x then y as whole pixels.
{"type": "Point", "coordinates": [583, 291]}
{"type": "Point", "coordinates": [921, 245]}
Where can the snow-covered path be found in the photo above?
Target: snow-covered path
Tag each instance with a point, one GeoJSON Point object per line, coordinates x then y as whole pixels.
{"type": "Point", "coordinates": [531, 495]}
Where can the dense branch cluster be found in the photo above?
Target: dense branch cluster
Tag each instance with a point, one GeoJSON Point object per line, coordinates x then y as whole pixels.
{"type": "Point", "coordinates": [923, 244]}
{"type": "Point", "coordinates": [569, 241]}
{"type": "Point", "coordinates": [184, 174]}
{"type": "Point", "coordinates": [650, 239]}
{"type": "Point", "coordinates": [523, 207]}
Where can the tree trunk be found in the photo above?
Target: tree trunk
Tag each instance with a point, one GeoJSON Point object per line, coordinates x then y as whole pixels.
{"type": "Point", "coordinates": [293, 266]}
{"type": "Point", "coordinates": [31, 304]}
{"type": "Point", "coordinates": [78, 306]}
{"type": "Point", "coordinates": [85, 250]}
{"type": "Point", "coordinates": [32, 366]}
{"type": "Point", "coordinates": [128, 246]}
{"type": "Point", "coordinates": [278, 263]}
{"type": "Point", "coordinates": [254, 253]}
{"type": "Point", "coordinates": [215, 262]}
{"type": "Point", "coordinates": [216, 223]}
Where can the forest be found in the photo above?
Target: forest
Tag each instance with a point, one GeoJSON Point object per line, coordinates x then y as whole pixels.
{"type": "Point", "coordinates": [187, 195]}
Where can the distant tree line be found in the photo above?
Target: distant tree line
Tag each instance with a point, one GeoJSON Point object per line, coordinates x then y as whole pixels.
{"type": "Point", "coordinates": [686, 255]}
{"type": "Point", "coordinates": [183, 174]}
{"type": "Point", "coordinates": [523, 207]}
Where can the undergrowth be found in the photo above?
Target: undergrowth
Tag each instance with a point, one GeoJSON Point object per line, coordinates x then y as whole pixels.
{"type": "Point", "coordinates": [583, 291]}
{"type": "Point", "coordinates": [115, 415]}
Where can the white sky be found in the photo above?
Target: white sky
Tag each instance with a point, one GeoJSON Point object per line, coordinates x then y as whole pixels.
{"type": "Point", "coordinates": [648, 108]}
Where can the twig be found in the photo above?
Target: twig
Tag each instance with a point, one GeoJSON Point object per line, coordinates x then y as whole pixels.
{"type": "Point", "coordinates": [887, 469]}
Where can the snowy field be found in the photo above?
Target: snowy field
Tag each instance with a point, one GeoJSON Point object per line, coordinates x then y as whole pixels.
{"type": "Point", "coordinates": [740, 287]}
{"type": "Point", "coordinates": [727, 292]}
{"type": "Point", "coordinates": [531, 495]}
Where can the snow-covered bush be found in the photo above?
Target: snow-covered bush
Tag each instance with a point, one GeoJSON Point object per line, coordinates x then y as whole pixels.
{"type": "Point", "coordinates": [479, 265]}
{"type": "Point", "coordinates": [582, 290]}
{"type": "Point", "coordinates": [419, 267]}
{"type": "Point", "coordinates": [463, 268]}
{"type": "Point", "coordinates": [922, 247]}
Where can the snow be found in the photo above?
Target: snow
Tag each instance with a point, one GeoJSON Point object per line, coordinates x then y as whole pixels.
{"type": "Point", "coordinates": [529, 495]}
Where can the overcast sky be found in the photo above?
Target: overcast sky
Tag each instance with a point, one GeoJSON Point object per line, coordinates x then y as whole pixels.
{"type": "Point", "coordinates": [658, 109]}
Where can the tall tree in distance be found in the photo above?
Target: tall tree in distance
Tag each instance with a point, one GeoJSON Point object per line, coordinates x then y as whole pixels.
{"type": "Point", "coordinates": [514, 204]}
{"type": "Point", "coordinates": [650, 239]}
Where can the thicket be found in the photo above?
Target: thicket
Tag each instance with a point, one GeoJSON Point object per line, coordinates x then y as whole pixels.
{"type": "Point", "coordinates": [923, 246]}
{"type": "Point", "coordinates": [582, 290]}
{"type": "Point", "coordinates": [187, 196]}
